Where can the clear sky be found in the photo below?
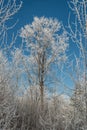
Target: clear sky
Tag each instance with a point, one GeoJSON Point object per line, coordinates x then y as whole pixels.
{"type": "Point", "coordinates": [48, 8]}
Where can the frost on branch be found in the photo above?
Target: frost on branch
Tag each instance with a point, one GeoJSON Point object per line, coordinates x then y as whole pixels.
{"type": "Point", "coordinates": [46, 36]}
{"type": "Point", "coordinates": [8, 8]}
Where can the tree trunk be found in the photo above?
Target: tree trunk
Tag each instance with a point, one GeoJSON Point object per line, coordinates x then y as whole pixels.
{"type": "Point", "coordinates": [42, 95]}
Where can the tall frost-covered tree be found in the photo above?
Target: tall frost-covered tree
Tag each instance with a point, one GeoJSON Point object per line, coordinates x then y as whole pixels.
{"type": "Point", "coordinates": [46, 43]}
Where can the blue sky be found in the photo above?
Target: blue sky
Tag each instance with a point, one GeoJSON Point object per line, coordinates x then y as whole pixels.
{"type": "Point", "coordinates": [48, 8]}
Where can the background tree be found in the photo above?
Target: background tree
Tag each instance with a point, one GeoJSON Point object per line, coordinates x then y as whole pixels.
{"type": "Point", "coordinates": [78, 34]}
{"type": "Point", "coordinates": [7, 102]}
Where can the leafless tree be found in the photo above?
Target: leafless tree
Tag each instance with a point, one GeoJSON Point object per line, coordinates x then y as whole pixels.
{"type": "Point", "coordinates": [46, 48]}
{"type": "Point", "coordinates": [78, 34]}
